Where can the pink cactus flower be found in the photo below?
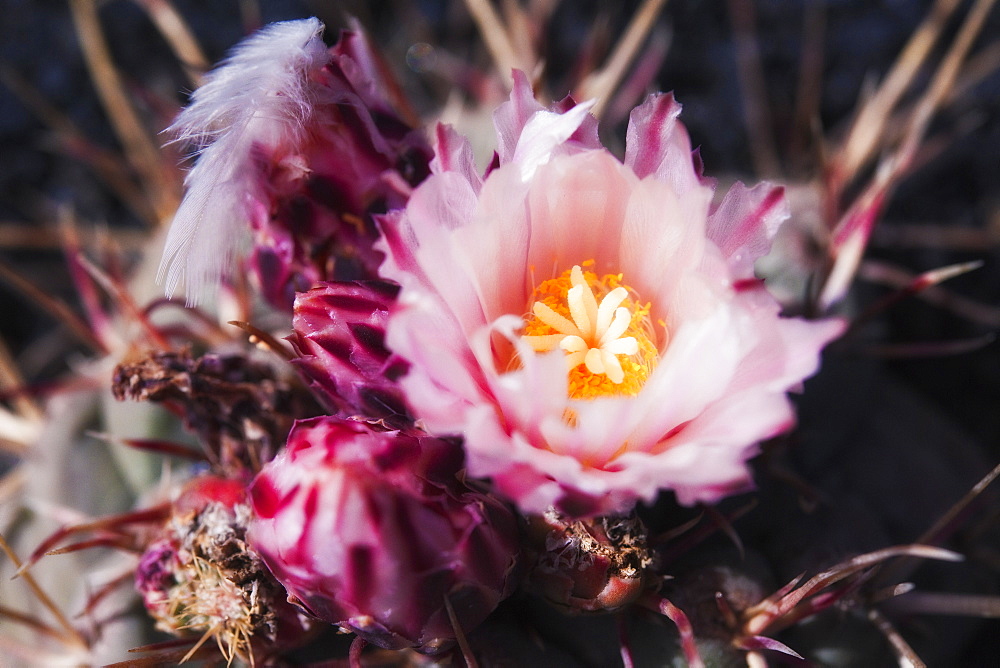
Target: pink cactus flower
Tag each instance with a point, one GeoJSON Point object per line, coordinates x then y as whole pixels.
{"type": "Point", "coordinates": [373, 531]}
{"type": "Point", "coordinates": [593, 328]}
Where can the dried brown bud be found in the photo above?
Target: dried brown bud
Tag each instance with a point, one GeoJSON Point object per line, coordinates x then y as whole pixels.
{"type": "Point", "coordinates": [597, 564]}
{"type": "Point", "coordinates": [241, 409]}
{"type": "Point", "coordinates": [199, 577]}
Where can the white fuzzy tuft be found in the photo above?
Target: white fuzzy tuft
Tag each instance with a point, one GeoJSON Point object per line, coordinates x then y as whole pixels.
{"type": "Point", "coordinates": [260, 95]}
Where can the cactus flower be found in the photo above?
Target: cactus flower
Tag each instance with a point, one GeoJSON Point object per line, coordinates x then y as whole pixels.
{"type": "Point", "coordinates": [593, 328]}
{"type": "Point", "coordinates": [372, 531]}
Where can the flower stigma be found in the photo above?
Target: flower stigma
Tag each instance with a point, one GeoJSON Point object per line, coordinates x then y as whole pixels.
{"type": "Point", "coordinates": [608, 338]}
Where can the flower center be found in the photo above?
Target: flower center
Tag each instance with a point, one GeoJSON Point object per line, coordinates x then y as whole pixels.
{"type": "Point", "coordinates": [607, 337]}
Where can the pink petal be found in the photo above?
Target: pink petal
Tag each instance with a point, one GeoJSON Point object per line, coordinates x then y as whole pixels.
{"type": "Point", "coordinates": [745, 223]}
{"type": "Point", "coordinates": [544, 132]}
{"type": "Point", "coordinates": [453, 153]}
{"type": "Point", "coordinates": [657, 144]}
{"type": "Point", "coordinates": [511, 117]}
{"type": "Point", "coordinates": [577, 207]}
{"type": "Point", "coordinates": [662, 240]}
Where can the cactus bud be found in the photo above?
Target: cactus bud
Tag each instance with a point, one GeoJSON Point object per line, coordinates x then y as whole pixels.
{"type": "Point", "coordinates": [372, 531]}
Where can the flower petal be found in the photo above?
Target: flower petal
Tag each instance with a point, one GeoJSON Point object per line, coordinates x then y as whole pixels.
{"type": "Point", "coordinates": [745, 222]}
{"type": "Point", "coordinates": [662, 244]}
{"type": "Point", "coordinates": [511, 117]}
{"type": "Point", "coordinates": [453, 153]}
{"type": "Point", "coordinates": [543, 133]}
{"type": "Point", "coordinates": [577, 206]}
{"type": "Point", "coordinates": [656, 144]}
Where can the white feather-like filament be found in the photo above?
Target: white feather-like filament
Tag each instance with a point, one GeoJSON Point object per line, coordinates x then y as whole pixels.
{"type": "Point", "coordinates": [261, 95]}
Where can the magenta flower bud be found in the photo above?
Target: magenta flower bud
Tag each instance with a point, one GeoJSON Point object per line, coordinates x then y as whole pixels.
{"type": "Point", "coordinates": [373, 532]}
{"type": "Point", "coordinates": [303, 143]}
{"type": "Point", "coordinates": [339, 335]}
{"type": "Point", "coordinates": [316, 198]}
{"type": "Point", "coordinates": [155, 577]}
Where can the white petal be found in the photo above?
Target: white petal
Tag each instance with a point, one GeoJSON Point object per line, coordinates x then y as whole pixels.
{"type": "Point", "coordinates": [543, 133]}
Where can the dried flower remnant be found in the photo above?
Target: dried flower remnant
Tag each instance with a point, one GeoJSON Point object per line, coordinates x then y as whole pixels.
{"type": "Point", "coordinates": [593, 328]}
{"type": "Point", "coordinates": [591, 565]}
{"type": "Point", "coordinates": [299, 144]}
{"type": "Point", "coordinates": [240, 408]}
{"type": "Point", "coordinates": [199, 577]}
{"type": "Point", "coordinates": [372, 531]}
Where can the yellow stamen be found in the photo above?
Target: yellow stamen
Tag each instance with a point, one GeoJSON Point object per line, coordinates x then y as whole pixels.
{"type": "Point", "coordinates": [607, 337]}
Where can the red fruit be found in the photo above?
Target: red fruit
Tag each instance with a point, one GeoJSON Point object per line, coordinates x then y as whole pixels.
{"type": "Point", "coordinates": [206, 489]}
